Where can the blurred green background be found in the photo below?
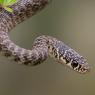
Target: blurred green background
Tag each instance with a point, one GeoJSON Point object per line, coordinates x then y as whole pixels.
{"type": "Point", "coordinates": [72, 21]}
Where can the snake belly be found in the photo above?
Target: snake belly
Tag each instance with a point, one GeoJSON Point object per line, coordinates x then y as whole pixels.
{"type": "Point", "coordinates": [43, 46]}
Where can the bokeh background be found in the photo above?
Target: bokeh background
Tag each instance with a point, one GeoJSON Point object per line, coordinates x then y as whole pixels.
{"type": "Point", "coordinates": [72, 21]}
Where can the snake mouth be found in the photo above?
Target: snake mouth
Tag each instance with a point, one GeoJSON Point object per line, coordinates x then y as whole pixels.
{"type": "Point", "coordinates": [84, 68]}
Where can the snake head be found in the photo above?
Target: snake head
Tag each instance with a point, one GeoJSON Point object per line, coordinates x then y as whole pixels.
{"type": "Point", "coordinates": [65, 55]}
{"type": "Point", "coordinates": [80, 65]}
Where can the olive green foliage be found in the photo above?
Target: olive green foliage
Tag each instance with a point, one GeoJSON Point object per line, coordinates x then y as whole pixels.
{"type": "Point", "coordinates": [6, 3]}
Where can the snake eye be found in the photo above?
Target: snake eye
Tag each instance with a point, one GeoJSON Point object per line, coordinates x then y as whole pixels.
{"type": "Point", "coordinates": [74, 65]}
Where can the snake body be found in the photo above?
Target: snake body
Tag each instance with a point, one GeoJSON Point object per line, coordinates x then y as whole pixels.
{"type": "Point", "coordinates": [42, 46]}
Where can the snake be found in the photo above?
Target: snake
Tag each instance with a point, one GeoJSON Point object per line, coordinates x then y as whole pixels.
{"type": "Point", "coordinates": [43, 46]}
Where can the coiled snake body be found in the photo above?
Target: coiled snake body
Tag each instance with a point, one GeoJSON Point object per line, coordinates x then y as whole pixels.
{"type": "Point", "coordinates": [42, 46]}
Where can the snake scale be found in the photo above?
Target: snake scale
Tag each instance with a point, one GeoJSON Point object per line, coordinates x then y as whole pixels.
{"type": "Point", "coordinates": [42, 46]}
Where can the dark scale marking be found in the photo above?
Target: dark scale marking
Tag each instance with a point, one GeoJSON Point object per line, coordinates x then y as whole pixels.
{"type": "Point", "coordinates": [7, 53]}
{"type": "Point", "coordinates": [54, 52]}
{"type": "Point", "coordinates": [26, 60]}
{"type": "Point", "coordinates": [79, 67]}
{"type": "Point", "coordinates": [16, 58]}
{"type": "Point", "coordinates": [74, 65]}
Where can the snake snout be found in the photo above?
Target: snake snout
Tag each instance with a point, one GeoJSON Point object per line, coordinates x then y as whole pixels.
{"type": "Point", "coordinates": [84, 68]}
